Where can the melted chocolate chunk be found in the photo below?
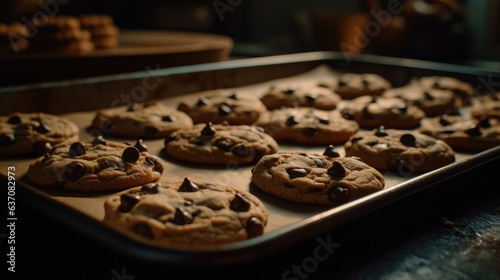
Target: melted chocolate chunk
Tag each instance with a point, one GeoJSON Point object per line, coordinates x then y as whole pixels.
{"type": "Point", "coordinates": [143, 230]}
{"type": "Point", "coordinates": [208, 130]}
{"type": "Point", "coordinates": [330, 151]}
{"type": "Point", "coordinates": [473, 130]}
{"type": "Point", "coordinates": [131, 154]}
{"type": "Point", "coordinates": [484, 122]}
{"type": "Point", "coordinates": [443, 121]}
{"type": "Point", "coordinates": [365, 113]}
{"type": "Point", "coordinates": [141, 146]}
{"type": "Point", "coordinates": [150, 188]}
{"type": "Point", "coordinates": [188, 186]}
{"type": "Point", "coordinates": [224, 109]}
{"type": "Point", "coordinates": [77, 149]}
{"type": "Point", "coordinates": [42, 128]}
{"type": "Point", "coordinates": [99, 140]}
{"type": "Point", "coordinates": [347, 114]}
{"type": "Point", "coordinates": [402, 108]}
{"type": "Point", "coordinates": [338, 195]}
{"type": "Point", "coordinates": [288, 91]}
{"type": "Point", "coordinates": [255, 227]}
{"type": "Point", "coordinates": [240, 203]}
{"type": "Point", "coordinates": [225, 145]}
{"type": "Point", "coordinates": [74, 171]}
{"type": "Point", "coordinates": [233, 96]}
{"type": "Point", "coordinates": [408, 140]}
{"type": "Point", "coordinates": [7, 139]}
{"type": "Point", "coordinates": [309, 132]}
{"type": "Point", "coordinates": [242, 150]}
{"type": "Point", "coordinates": [297, 172]}
{"type": "Point", "coordinates": [323, 121]}
{"type": "Point", "coordinates": [291, 121]}
{"type": "Point", "coordinates": [168, 118]}
{"type": "Point", "coordinates": [336, 170]}
{"type": "Point", "coordinates": [381, 132]}
{"type": "Point", "coordinates": [182, 217]}
{"type": "Point", "coordinates": [310, 98]}
{"type": "Point", "coordinates": [428, 96]}
{"type": "Point", "coordinates": [342, 82]}
{"type": "Point", "coordinates": [127, 202]}
{"type": "Point", "coordinates": [15, 119]}
{"type": "Point", "coordinates": [41, 148]}
{"type": "Point", "coordinates": [202, 101]}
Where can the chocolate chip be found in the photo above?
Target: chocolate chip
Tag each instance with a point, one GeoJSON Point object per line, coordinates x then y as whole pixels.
{"type": "Point", "coordinates": [408, 140]}
{"type": "Point", "coordinates": [141, 146]}
{"type": "Point", "coordinates": [150, 188]}
{"type": "Point", "coordinates": [310, 98]}
{"type": "Point", "coordinates": [443, 121]}
{"type": "Point", "coordinates": [404, 167]}
{"type": "Point", "coordinates": [323, 121]}
{"type": "Point", "coordinates": [255, 227]}
{"type": "Point", "coordinates": [473, 130]}
{"type": "Point", "coordinates": [365, 82]}
{"type": "Point", "coordinates": [7, 139]}
{"type": "Point", "coordinates": [224, 145]}
{"type": "Point", "coordinates": [484, 122]}
{"type": "Point", "coordinates": [338, 194]}
{"type": "Point", "coordinates": [309, 132]}
{"type": "Point", "coordinates": [296, 172]}
{"type": "Point", "coordinates": [224, 109]}
{"type": "Point", "coordinates": [143, 230]}
{"type": "Point", "coordinates": [77, 149]}
{"type": "Point", "coordinates": [41, 148]}
{"type": "Point", "coordinates": [168, 118]}
{"type": "Point", "coordinates": [239, 203]}
{"type": "Point", "coordinates": [74, 170]}
{"type": "Point", "coordinates": [403, 108]}
{"type": "Point", "coordinates": [288, 91]}
{"type": "Point", "coordinates": [365, 113]}
{"type": "Point", "coordinates": [127, 202]}
{"type": "Point", "coordinates": [150, 131]}
{"type": "Point", "coordinates": [182, 217]}
{"type": "Point", "coordinates": [428, 96]}
{"type": "Point", "coordinates": [99, 140]}
{"type": "Point", "coordinates": [233, 96]}
{"type": "Point", "coordinates": [330, 151]}
{"type": "Point", "coordinates": [131, 154]}
{"type": "Point", "coordinates": [151, 160]}
{"type": "Point", "coordinates": [381, 132]}
{"type": "Point", "coordinates": [347, 114]}
{"type": "Point", "coordinates": [202, 101]}
{"type": "Point", "coordinates": [133, 107]}
{"type": "Point", "coordinates": [356, 139]}
{"type": "Point", "coordinates": [188, 186]}
{"type": "Point", "coordinates": [242, 150]}
{"type": "Point", "coordinates": [291, 121]}
{"type": "Point", "coordinates": [15, 119]}
{"type": "Point", "coordinates": [42, 128]}
{"type": "Point", "coordinates": [342, 82]}
{"type": "Point", "coordinates": [336, 170]}
{"type": "Point", "coordinates": [209, 130]}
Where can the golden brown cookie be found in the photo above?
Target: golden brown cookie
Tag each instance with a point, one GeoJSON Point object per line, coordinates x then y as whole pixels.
{"type": "Point", "coordinates": [403, 151]}
{"type": "Point", "coordinates": [486, 106]}
{"type": "Point", "coordinates": [312, 96]}
{"type": "Point", "coordinates": [352, 85]}
{"type": "Point", "coordinates": [34, 133]}
{"type": "Point", "coordinates": [432, 101]}
{"type": "Point", "coordinates": [315, 179]}
{"type": "Point", "coordinates": [187, 213]}
{"type": "Point", "coordinates": [99, 165]}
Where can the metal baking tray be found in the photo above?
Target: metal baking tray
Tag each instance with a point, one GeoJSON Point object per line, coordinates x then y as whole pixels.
{"type": "Point", "coordinates": [293, 223]}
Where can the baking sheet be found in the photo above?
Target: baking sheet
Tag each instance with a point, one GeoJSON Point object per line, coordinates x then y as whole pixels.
{"type": "Point", "coordinates": [288, 222]}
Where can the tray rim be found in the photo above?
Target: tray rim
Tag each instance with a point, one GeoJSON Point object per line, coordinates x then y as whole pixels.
{"type": "Point", "coordinates": [263, 245]}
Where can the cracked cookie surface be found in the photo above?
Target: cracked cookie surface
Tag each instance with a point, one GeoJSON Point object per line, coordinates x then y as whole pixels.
{"type": "Point", "coordinates": [99, 165]}
{"type": "Point", "coordinates": [316, 179]}
{"type": "Point", "coordinates": [187, 213]}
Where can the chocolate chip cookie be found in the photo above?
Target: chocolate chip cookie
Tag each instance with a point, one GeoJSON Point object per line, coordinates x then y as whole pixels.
{"type": "Point", "coordinates": [216, 107]}
{"type": "Point", "coordinates": [99, 165]}
{"type": "Point", "coordinates": [432, 101]}
{"type": "Point", "coordinates": [464, 133]}
{"type": "Point", "coordinates": [141, 120]}
{"type": "Point", "coordinates": [313, 96]}
{"type": "Point", "coordinates": [371, 112]}
{"type": "Point", "coordinates": [315, 178]}
{"type": "Point", "coordinates": [461, 89]}
{"type": "Point", "coordinates": [403, 151]}
{"type": "Point", "coordinates": [307, 126]}
{"type": "Point", "coordinates": [187, 213]}
{"type": "Point", "coordinates": [351, 85]}
{"type": "Point", "coordinates": [220, 144]}
{"type": "Point", "coordinates": [34, 133]}
{"type": "Point", "coordinates": [486, 106]}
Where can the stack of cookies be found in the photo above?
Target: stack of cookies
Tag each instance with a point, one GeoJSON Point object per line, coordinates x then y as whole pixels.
{"type": "Point", "coordinates": [60, 34]}
{"type": "Point", "coordinates": [13, 37]}
{"type": "Point", "coordinates": [103, 31]}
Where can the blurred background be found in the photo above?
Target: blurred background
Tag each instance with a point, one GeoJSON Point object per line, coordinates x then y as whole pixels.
{"type": "Point", "coordinates": [462, 31]}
